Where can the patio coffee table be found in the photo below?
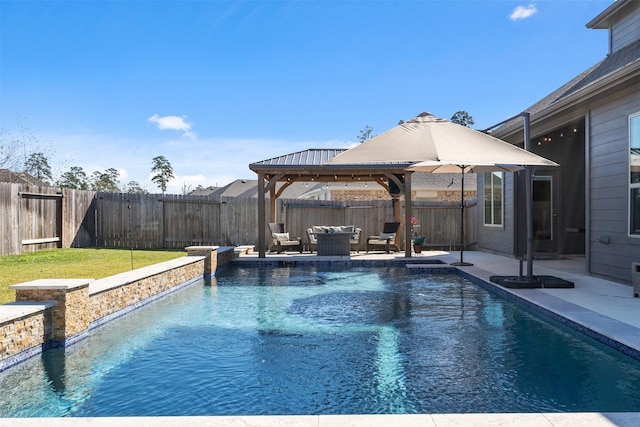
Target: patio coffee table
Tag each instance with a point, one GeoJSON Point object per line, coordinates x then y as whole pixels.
{"type": "Point", "coordinates": [334, 243]}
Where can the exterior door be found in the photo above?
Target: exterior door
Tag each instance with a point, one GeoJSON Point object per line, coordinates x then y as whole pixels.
{"type": "Point", "coordinates": [545, 211]}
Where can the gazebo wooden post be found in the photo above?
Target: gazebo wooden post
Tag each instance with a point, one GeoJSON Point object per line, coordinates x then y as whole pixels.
{"type": "Point", "coordinates": [261, 217]}
{"type": "Point", "coordinates": [272, 203]}
{"type": "Point", "coordinates": [396, 207]}
{"type": "Point", "coordinates": [407, 214]}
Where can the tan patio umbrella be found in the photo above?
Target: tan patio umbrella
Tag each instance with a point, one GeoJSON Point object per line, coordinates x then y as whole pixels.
{"type": "Point", "coordinates": [442, 146]}
{"type": "Point", "coordinates": [429, 138]}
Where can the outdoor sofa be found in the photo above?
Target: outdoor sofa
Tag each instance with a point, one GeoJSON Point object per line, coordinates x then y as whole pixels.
{"type": "Point", "coordinates": [354, 241]}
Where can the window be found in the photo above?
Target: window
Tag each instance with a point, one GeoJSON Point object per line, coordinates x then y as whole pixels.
{"type": "Point", "coordinates": [493, 200]}
{"type": "Point", "coordinates": [634, 175]}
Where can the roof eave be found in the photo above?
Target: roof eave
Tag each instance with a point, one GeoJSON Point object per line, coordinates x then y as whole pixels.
{"type": "Point", "coordinates": [589, 91]}
{"type": "Point", "coordinates": [602, 21]}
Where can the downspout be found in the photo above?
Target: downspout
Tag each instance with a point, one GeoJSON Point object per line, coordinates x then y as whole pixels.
{"type": "Point", "coordinates": [528, 194]}
{"type": "Point", "coordinates": [587, 191]}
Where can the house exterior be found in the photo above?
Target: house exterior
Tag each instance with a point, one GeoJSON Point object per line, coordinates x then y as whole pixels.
{"type": "Point", "coordinates": [248, 188]}
{"type": "Point", "coordinates": [590, 205]}
{"type": "Point", "coordinates": [20, 178]}
{"type": "Point", "coordinates": [424, 187]}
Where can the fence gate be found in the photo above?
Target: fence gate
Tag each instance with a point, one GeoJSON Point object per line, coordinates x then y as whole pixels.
{"type": "Point", "coordinates": [40, 221]}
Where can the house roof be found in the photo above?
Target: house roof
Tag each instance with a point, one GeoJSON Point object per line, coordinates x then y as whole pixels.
{"type": "Point", "coordinates": [621, 65]}
{"type": "Point", "coordinates": [19, 178]}
{"type": "Point", "coordinates": [248, 188]}
{"type": "Point", "coordinates": [607, 17]}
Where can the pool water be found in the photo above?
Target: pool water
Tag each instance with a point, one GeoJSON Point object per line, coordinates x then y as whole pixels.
{"type": "Point", "coordinates": [325, 341]}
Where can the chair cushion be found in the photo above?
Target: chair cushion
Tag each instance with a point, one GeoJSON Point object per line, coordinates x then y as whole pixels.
{"type": "Point", "coordinates": [312, 237]}
{"type": "Point", "coordinates": [346, 228]}
{"type": "Point", "coordinates": [385, 236]}
{"type": "Point", "coordinates": [281, 237]}
{"type": "Point", "coordinates": [318, 229]}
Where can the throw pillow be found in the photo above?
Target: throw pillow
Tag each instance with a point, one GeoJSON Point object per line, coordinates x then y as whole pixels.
{"type": "Point", "coordinates": [281, 237]}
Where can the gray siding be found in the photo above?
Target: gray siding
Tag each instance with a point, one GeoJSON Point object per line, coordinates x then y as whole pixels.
{"type": "Point", "coordinates": [608, 186]}
{"type": "Point", "coordinates": [627, 30]}
{"type": "Point", "coordinates": [497, 239]}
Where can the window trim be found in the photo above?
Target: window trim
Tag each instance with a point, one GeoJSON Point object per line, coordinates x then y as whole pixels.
{"type": "Point", "coordinates": [631, 186]}
{"type": "Point", "coordinates": [492, 206]}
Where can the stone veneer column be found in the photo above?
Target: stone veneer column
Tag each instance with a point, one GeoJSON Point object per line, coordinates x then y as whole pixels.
{"type": "Point", "coordinates": [71, 314]}
{"type": "Point", "coordinates": [211, 254]}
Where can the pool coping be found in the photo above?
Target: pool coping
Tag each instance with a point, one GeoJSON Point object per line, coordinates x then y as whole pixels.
{"type": "Point", "coordinates": [592, 419]}
{"type": "Point", "coordinates": [611, 332]}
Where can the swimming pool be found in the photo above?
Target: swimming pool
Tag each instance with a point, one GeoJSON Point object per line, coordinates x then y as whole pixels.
{"type": "Point", "coordinates": [322, 340]}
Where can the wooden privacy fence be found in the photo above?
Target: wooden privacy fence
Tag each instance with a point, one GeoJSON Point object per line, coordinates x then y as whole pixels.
{"type": "Point", "coordinates": [439, 220]}
{"type": "Point", "coordinates": [174, 221]}
{"type": "Point", "coordinates": [34, 218]}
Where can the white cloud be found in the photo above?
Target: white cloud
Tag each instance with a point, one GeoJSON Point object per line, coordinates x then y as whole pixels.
{"type": "Point", "coordinates": [123, 175]}
{"type": "Point", "coordinates": [523, 12]}
{"type": "Point", "coordinates": [173, 123]}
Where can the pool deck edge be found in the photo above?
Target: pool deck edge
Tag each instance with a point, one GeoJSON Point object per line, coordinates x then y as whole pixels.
{"type": "Point", "coordinates": [592, 419]}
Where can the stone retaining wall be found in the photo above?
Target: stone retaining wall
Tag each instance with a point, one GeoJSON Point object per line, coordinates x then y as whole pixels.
{"type": "Point", "coordinates": [24, 327]}
{"type": "Point", "coordinates": [116, 293]}
{"type": "Point", "coordinates": [59, 312]}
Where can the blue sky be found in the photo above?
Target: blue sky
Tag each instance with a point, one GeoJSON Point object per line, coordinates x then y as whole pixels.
{"type": "Point", "coordinates": [216, 85]}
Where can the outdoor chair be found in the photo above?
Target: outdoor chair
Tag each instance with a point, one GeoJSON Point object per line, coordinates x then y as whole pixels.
{"type": "Point", "coordinates": [281, 241]}
{"type": "Point", "coordinates": [386, 240]}
{"type": "Point", "coordinates": [355, 240]}
{"type": "Point", "coordinates": [313, 240]}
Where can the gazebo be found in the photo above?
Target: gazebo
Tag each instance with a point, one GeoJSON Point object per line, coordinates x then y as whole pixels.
{"type": "Point", "coordinates": [308, 166]}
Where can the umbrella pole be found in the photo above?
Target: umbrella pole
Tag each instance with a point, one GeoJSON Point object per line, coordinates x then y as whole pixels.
{"type": "Point", "coordinates": [461, 262]}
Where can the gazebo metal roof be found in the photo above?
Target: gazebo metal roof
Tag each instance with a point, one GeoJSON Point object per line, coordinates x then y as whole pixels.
{"type": "Point", "coordinates": [307, 164]}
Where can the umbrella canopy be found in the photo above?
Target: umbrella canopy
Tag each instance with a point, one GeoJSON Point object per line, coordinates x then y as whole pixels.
{"type": "Point", "coordinates": [429, 138]}
{"type": "Point", "coordinates": [436, 166]}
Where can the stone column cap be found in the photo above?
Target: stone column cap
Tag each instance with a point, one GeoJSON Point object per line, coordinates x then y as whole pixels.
{"type": "Point", "coordinates": [16, 310]}
{"type": "Point", "coordinates": [52, 284]}
{"type": "Point", "coordinates": [201, 248]}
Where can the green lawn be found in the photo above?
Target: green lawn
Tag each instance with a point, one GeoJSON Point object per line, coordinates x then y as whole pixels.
{"type": "Point", "coordinates": [74, 264]}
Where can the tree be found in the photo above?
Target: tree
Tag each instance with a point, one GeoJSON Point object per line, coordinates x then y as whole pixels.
{"type": "Point", "coordinates": [37, 166]}
{"type": "Point", "coordinates": [462, 118]}
{"type": "Point", "coordinates": [14, 146]}
{"type": "Point", "coordinates": [186, 188]}
{"type": "Point", "coordinates": [74, 178]}
{"type": "Point", "coordinates": [135, 188]}
{"type": "Point", "coordinates": [8, 149]}
{"type": "Point", "coordinates": [163, 172]}
{"type": "Point", "coordinates": [366, 133]}
{"type": "Point", "coordinates": [106, 181]}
